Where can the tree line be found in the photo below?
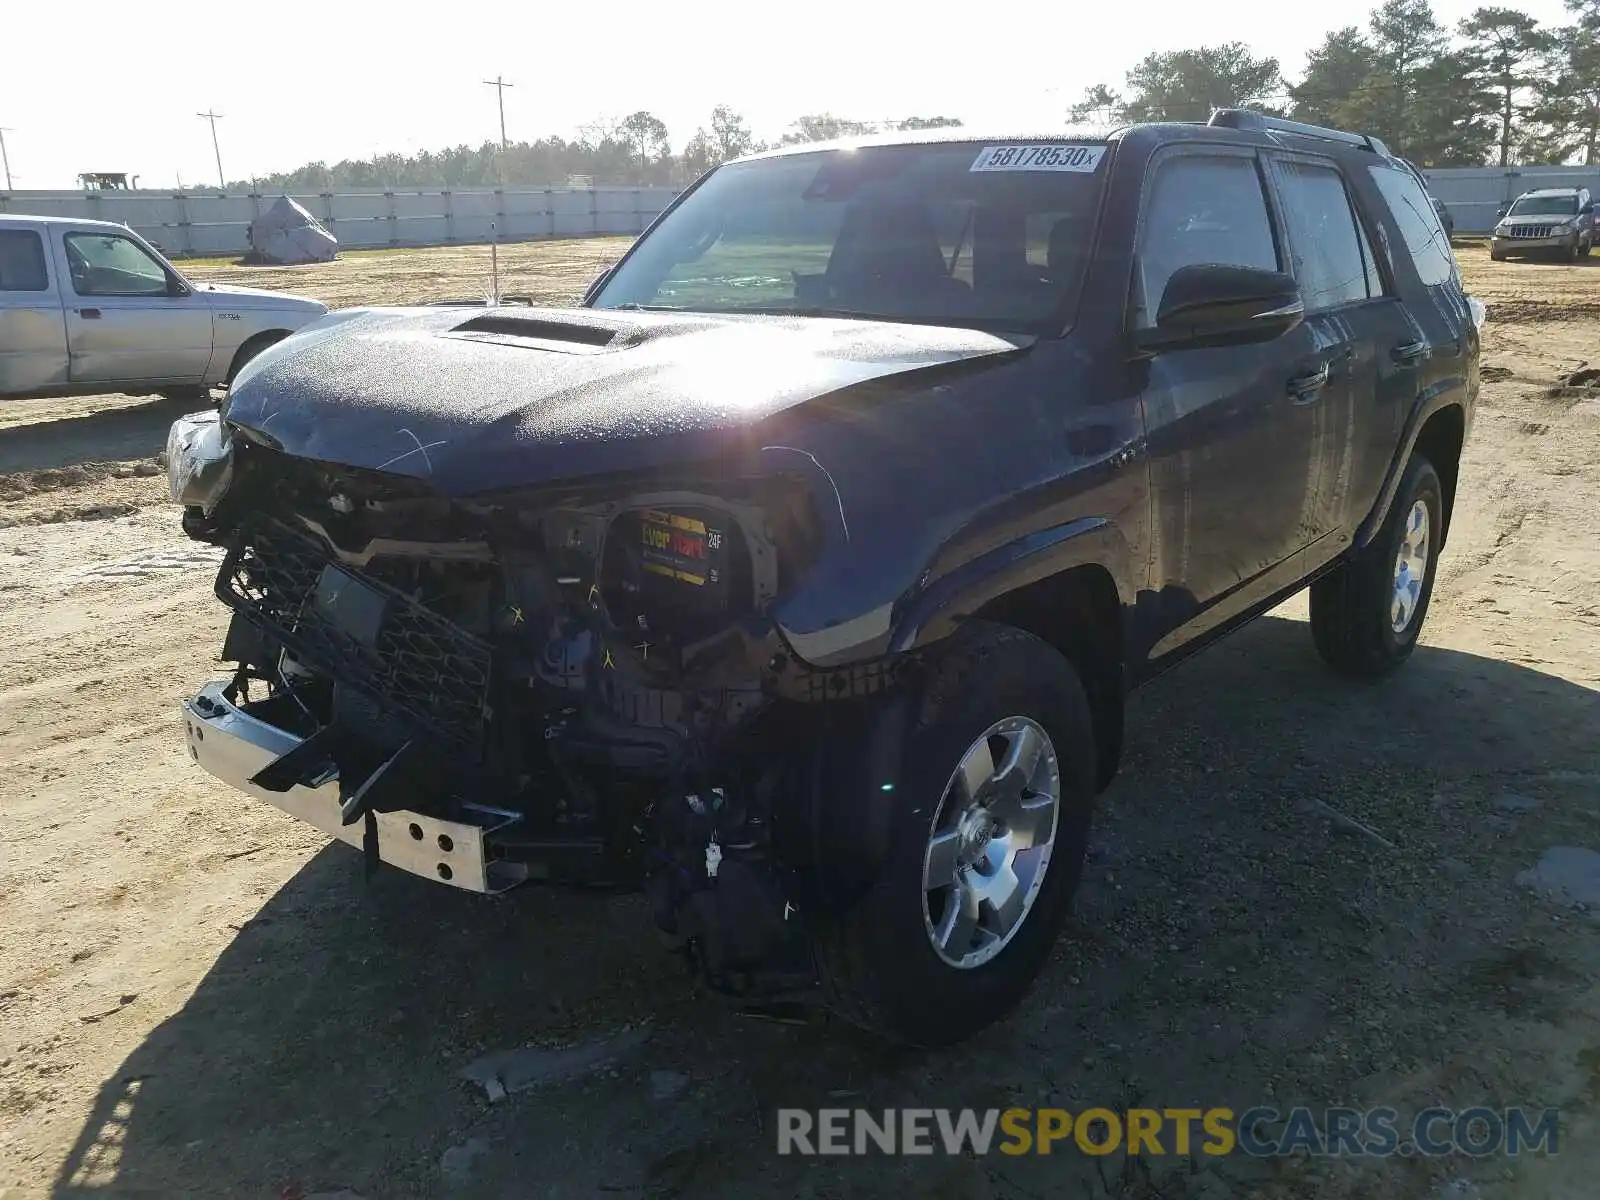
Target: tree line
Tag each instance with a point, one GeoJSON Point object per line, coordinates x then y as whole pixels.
{"type": "Point", "coordinates": [633, 151]}
{"type": "Point", "coordinates": [1498, 88]}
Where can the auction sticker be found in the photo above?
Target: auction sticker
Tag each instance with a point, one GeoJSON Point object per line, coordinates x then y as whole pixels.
{"type": "Point", "coordinates": [1051, 157]}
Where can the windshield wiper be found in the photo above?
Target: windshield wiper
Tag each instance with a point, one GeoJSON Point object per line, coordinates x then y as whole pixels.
{"type": "Point", "coordinates": [634, 306]}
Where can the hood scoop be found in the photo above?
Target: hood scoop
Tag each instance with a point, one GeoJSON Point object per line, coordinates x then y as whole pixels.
{"type": "Point", "coordinates": [536, 333]}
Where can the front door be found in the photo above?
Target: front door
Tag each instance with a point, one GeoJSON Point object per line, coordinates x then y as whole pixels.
{"type": "Point", "coordinates": [128, 319]}
{"type": "Point", "coordinates": [1230, 448]}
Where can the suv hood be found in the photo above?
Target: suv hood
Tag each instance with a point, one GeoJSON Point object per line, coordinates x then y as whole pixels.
{"type": "Point", "coordinates": [505, 397]}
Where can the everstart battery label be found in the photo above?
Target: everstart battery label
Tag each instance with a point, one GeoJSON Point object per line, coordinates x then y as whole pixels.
{"type": "Point", "coordinates": [681, 547]}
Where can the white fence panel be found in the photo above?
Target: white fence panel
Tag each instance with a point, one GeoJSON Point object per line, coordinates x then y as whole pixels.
{"type": "Point", "coordinates": [206, 223]}
{"type": "Point", "coordinates": [214, 223]}
{"type": "Point", "coordinates": [1475, 195]}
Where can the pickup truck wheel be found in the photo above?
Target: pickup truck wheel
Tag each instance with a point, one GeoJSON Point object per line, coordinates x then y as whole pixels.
{"type": "Point", "coordinates": [997, 779]}
{"type": "Point", "coordinates": [249, 350]}
{"type": "Point", "coordinates": [1366, 615]}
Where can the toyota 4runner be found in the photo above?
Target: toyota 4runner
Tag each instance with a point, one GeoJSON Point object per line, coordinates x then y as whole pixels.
{"type": "Point", "coordinates": [801, 574]}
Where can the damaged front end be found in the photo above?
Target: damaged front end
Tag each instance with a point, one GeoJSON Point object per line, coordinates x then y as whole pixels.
{"type": "Point", "coordinates": [575, 683]}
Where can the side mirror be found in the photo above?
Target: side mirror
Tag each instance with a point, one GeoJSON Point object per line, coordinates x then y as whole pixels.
{"type": "Point", "coordinates": [176, 286]}
{"type": "Point", "coordinates": [599, 282]}
{"type": "Point", "coordinates": [1209, 304]}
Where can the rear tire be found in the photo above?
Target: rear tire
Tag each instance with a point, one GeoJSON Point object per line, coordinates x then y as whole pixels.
{"type": "Point", "coordinates": [902, 961]}
{"type": "Point", "coordinates": [1366, 615]}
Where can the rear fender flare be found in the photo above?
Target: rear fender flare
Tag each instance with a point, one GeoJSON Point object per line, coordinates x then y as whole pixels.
{"type": "Point", "coordinates": [1421, 413]}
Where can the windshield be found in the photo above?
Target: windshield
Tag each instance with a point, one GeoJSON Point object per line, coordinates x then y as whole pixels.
{"type": "Point", "coordinates": [1544, 206]}
{"type": "Point", "coordinates": [958, 234]}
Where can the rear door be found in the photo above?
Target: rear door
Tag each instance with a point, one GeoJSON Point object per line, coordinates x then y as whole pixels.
{"type": "Point", "coordinates": [1353, 319]}
{"type": "Point", "coordinates": [128, 319]}
{"type": "Point", "coordinates": [33, 338]}
{"type": "Point", "coordinates": [1430, 350]}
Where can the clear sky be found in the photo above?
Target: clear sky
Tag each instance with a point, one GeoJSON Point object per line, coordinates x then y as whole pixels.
{"type": "Point", "coordinates": [114, 86]}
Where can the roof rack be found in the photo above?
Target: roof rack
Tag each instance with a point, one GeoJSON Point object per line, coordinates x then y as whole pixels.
{"type": "Point", "coordinates": [1248, 118]}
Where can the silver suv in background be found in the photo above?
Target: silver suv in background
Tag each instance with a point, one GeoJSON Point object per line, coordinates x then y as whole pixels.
{"type": "Point", "coordinates": [1549, 221]}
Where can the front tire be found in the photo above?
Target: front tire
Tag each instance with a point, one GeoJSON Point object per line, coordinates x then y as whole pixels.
{"type": "Point", "coordinates": [249, 350]}
{"type": "Point", "coordinates": [996, 779]}
{"type": "Point", "coordinates": [1366, 614]}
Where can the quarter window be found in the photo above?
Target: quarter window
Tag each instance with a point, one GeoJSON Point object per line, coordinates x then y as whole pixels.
{"type": "Point", "coordinates": [22, 261]}
{"type": "Point", "coordinates": [1419, 225]}
{"type": "Point", "coordinates": [1202, 209]}
{"type": "Point", "coordinates": [1330, 251]}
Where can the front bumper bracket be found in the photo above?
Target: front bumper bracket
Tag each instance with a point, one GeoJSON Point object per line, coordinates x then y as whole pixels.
{"type": "Point", "coordinates": [230, 743]}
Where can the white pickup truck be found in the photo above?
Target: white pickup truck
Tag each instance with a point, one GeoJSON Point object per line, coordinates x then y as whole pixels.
{"type": "Point", "coordinates": [90, 306]}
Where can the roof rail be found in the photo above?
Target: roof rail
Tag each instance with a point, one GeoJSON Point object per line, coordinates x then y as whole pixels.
{"type": "Point", "coordinates": [1249, 118]}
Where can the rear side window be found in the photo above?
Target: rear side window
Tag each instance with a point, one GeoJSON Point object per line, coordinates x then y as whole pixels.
{"type": "Point", "coordinates": [22, 261]}
{"type": "Point", "coordinates": [1419, 225]}
{"type": "Point", "coordinates": [1332, 258]}
{"type": "Point", "coordinates": [1202, 209]}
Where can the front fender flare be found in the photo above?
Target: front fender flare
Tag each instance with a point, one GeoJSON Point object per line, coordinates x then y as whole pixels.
{"type": "Point", "coordinates": [933, 612]}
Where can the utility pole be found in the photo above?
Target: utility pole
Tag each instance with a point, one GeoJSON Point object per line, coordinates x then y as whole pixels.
{"type": "Point", "coordinates": [5, 158]}
{"type": "Point", "coordinates": [499, 83]}
{"type": "Point", "coordinates": [214, 117]}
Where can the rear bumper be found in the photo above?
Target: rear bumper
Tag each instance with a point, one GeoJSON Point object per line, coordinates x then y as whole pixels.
{"type": "Point", "coordinates": [230, 743]}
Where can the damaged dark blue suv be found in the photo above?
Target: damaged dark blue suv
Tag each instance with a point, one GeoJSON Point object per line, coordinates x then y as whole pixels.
{"type": "Point", "coordinates": [800, 575]}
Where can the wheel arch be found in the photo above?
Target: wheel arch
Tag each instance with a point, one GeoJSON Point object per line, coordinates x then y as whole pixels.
{"type": "Point", "coordinates": [250, 347]}
{"type": "Point", "coordinates": [1440, 441]}
{"type": "Point", "coordinates": [1438, 433]}
{"type": "Point", "coordinates": [1069, 586]}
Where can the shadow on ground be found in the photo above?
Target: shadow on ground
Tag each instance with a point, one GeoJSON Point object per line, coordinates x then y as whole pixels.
{"type": "Point", "coordinates": [136, 430]}
{"type": "Point", "coordinates": [1231, 948]}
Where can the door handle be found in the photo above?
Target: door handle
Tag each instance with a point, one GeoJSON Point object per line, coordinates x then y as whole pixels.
{"type": "Point", "coordinates": [89, 314]}
{"type": "Point", "coordinates": [1307, 386]}
{"type": "Point", "coordinates": [1409, 353]}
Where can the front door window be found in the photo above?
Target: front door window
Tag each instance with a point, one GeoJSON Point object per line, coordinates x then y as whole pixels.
{"type": "Point", "coordinates": [107, 264]}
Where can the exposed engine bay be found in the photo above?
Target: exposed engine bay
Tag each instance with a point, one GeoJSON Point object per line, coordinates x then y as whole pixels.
{"type": "Point", "coordinates": [585, 675]}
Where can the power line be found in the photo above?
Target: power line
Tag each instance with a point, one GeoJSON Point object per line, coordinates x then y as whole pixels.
{"type": "Point", "coordinates": [500, 86]}
{"type": "Point", "coordinates": [216, 149]}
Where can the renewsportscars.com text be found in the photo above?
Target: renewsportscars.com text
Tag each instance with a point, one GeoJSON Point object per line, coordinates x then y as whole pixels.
{"type": "Point", "coordinates": [1259, 1132]}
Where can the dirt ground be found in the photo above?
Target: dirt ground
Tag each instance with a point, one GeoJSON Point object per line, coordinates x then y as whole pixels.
{"type": "Point", "coordinates": [200, 997]}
